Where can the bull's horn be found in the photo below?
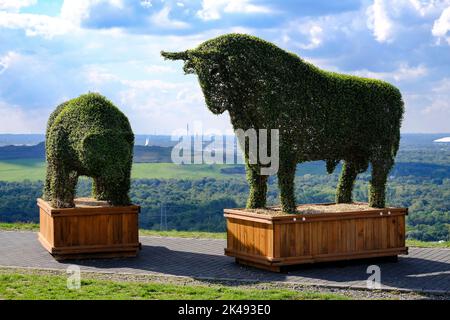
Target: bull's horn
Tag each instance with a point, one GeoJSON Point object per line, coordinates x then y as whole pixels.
{"type": "Point", "coordinates": [175, 55]}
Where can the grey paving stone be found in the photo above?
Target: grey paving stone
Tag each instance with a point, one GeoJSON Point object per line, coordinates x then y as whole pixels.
{"type": "Point", "coordinates": [424, 269]}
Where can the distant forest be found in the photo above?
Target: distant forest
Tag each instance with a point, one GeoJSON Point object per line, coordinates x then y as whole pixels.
{"type": "Point", "coordinates": [419, 181]}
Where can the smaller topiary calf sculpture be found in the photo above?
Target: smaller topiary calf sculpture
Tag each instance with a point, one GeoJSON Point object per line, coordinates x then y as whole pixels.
{"type": "Point", "coordinates": [88, 136]}
{"type": "Point", "coordinates": [320, 115]}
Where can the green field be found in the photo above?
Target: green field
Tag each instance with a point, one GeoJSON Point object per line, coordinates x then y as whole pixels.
{"type": "Point", "coordinates": [175, 171]}
{"type": "Point", "coordinates": [22, 169]}
{"type": "Point", "coordinates": [15, 285]}
{"type": "Point", "coordinates": [34, 170]}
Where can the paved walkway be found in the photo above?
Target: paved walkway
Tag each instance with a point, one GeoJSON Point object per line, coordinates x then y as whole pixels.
{"type": "Point", "coordinates": [425, 269]}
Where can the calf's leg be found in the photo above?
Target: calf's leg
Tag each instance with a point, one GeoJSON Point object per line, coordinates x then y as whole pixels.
{"type": "Point", "coordinates": [47, 196]}
{"type": "Point", "coordinates": [116, 190]}
{"type": "Point", "coordinates": [99, 189]}
{"type": "Point", "coordinates": [63, 185]}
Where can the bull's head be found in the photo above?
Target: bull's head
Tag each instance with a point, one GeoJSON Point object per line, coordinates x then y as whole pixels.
{"type": "Point", "coordinates": [212, 75]}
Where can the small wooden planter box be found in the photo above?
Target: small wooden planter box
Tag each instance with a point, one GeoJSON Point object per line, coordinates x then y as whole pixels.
{"type": "Point", "coordinates": [271, 242]}
{"type": "Point", "coordinates": [93, 231]}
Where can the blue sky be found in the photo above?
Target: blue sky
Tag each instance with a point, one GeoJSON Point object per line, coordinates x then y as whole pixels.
{"type": "Point", "coordinates": [51, 51]}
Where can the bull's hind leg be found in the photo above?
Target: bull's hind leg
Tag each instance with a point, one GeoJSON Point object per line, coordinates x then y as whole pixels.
{"type": "Point", "coordinates": [258, 187]}
{"type": "Point", "coordinates": [286, 175]}
{"type": "Point", "coordinates": [346, 183]}
{"type": "Point", "coordinates": [377, 188]}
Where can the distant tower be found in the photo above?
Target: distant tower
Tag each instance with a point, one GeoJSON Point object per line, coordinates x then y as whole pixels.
{"type": "Point", "coordinates": [187, 129]}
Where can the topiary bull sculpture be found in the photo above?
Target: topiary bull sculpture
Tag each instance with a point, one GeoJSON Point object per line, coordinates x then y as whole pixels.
{"type": "Point", "coordinates": [88, 136]}
{"type": "Point", "coordinates": [320, 115]}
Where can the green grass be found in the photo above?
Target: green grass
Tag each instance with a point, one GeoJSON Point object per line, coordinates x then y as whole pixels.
{"type": "Point", "coordinates": [37, 287]}
{"type": "Point", "coordinates": [34, 170]}
{"type": "Point", "coordinates": [427, 244]}
{"type": "Point", "coordinates": [199, 234]}
{"type": "Point", "coordinates": [19, 226]}
{"type": "Point", "coordinates": [184, 234]}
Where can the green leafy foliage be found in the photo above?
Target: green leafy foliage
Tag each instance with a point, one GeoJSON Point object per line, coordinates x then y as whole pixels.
{"type": "Point", "coordinates": [197, 205]}
{"type": "Point", "coordinates": [320, 115]}
{"type": "Point", "coordinates": [88, 136]}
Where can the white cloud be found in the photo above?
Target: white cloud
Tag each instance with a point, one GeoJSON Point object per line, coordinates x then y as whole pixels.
{"type": "Point", "coordinates": [169, 108]}
{"type": "Point", "coordinates": [126, 65]}
{"type": "Point", "coordinates": [159, 69]}
{"type": "Point", "coordinates": [7, 60]}
{"type": "Point", "coordinates": [150, 85]}
{"type": "Point", "coordinates": [35, 24]}
{"type": "Point", "coordinates": [441, 26]}
{"type": "Point", "coordinates": [442, 87]}
{"type": "Point", "coordinates": [315, 34]}
{"type": "Point", "coordinates": [146, 3]}
{"type": "Point", "coordinates": [162, 19]}
{"type": "Point", "coordinates": [99, 76]}
{"type": "Point", "coordinates": [14, 119]}
{"type": "Point", "coordinates": [429, 110]}
{"type": "Point", "coordinates": [245, 6]}
{"type": "Point", "coordinates": [440, 99]}
{"type": "Point", "coordinates": [388, 18]}
{"type": "Point", "coordinates": [15, 5]}
{"type": "Point", "coordinates": [427, 7]}
{"type": "Point", "coordinates": [78, 10]}
{"type": "Point", "coordinates": [404, 72]}
{"type": "Point", "coordinates": [212, 9]}
{"type": "Point", "coordinates": [438, 106]}
{"type": "Point", "coordinates": [379, 21]}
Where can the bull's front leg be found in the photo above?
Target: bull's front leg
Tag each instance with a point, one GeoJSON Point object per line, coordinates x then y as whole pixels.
{"type": "Point", "coordinates": [258, 187]}
{"type": "Point", "coordinates": [286, 175]}
{"type": "Point", "coordinates": [346, 182]}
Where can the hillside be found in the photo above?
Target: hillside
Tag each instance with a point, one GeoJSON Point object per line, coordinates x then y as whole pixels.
{"type": "Point", "coordinates": [37, 152]}
{"type": "Point", "coordinates": [192, 197]}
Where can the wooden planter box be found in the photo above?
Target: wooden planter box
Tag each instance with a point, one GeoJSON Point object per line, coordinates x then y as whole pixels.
{"type": "Point", "coordinates": [271, 242]}
{"type": "Point", "coordinates": [89, 231]}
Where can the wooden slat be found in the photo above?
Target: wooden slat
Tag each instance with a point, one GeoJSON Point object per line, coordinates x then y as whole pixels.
{"type": "Point", "coordinates": [324, 229]}
{"type": "Point", "coordinates": [230, 234]}
{"type": "Point", "coordinates": [277, 241]}
{"type": "Point", "coordinates": [401, 231]}
{"type": "Point", "coordinates": [297, 244]}
{"type": "Point", "coordinates": [360, 235]}
{"type": "Point", "coordinates": [270, 241]}
{"type": "Point", "coordinates": [263, 240]}
{"type": "Point", "coordinates": [384, 233]}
